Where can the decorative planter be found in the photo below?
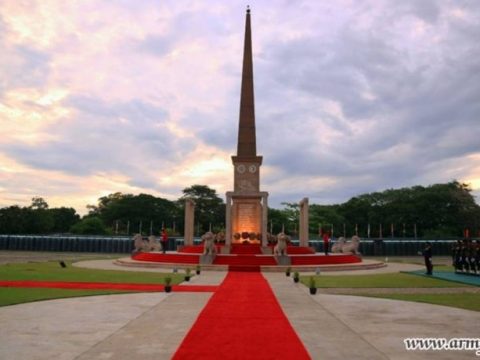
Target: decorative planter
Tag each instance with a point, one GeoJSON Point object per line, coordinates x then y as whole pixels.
{"type": "Point", "coordinates": [313, 291]}
{"type": "Point", "coordinates": [187, 278]}
{"type": "Point", "coordinates": [198, 272]}
{"type": "Point", "coordinates": [296, 279]}
{"type": "Point", "coordinates": [168, 288]}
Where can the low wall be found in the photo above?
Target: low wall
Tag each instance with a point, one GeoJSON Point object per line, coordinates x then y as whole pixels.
{"type": "Point", "coordinates": [123, 244]}
{"type": "Point", "coordinates": [389, 247]}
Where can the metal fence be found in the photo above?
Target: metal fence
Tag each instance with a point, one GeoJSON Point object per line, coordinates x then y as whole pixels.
{"type": "Point", "coordinates": [380, 247]}
{"type": "Point", "coordinates": [123, 244]}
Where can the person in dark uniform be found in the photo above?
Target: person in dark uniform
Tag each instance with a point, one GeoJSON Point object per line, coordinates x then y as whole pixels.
{"type": "Point", "coordinates": [326, 241]}
{"type": "Point", "coordinates": [463, 256]}
{"type": "Point", "coordinates": [477, 256]}
{"type": "Point", "coordinates": [471, 257]}
{"type": "Point", "coordinates": [457, 256]}
{"type": "Point", "coordinates": [164, 240]}
{"type": "Point", "coordinates": [453, 252]}
{"type": "Point", "coordinates": [427, 255]}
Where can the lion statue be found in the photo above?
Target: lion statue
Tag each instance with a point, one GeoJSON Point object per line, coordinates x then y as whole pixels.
{"type": "Point", "coordinates": [281, 247]}
{"type": "Point", "coordinates": [209, 243]}
{"type": "Point", "coordinates": [153, 243]}
{"type": "Point", "coordinates": [338, 245]}
{"type": "Point", "coordinates": [352, 246]}
{"type": "Point", "coordinates": [139, 244]}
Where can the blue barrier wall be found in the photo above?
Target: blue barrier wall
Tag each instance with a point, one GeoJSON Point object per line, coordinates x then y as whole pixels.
{"type": "Point", "coordinates": [123, 244]}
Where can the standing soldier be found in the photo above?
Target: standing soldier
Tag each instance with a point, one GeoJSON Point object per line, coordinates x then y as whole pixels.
{"type": "Point", "coordinates": [477, 256]}
{"type": "Point", "coordinates": [463, 256]}
{"type": "Point", "coordinates": [457, 262]}
{"type": "Point", "coordinates": [164, 240]}
{"type": "Point", "coordinates": [326, 241]}
{"type": "Point", "coordinates": [473, 256]}
{"type": "Point", "coordinates": [427, 255]}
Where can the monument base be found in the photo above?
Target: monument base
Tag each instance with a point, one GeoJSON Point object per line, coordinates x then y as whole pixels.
{"type": "Point", "coordinates": [267, 250]}
{"type": "Point", "coordinates": [207, 259]}
{"type": "Point", "coordinates": [225, 249]}
{"type": "Point", "coordinates": [267, 263]}
{"type": "Point", "coordinates": [283, 260]}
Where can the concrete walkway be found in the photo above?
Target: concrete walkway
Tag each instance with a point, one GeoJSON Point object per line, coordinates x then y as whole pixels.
{"type": "Point", "coordinates": [151, 326]}
{"type": "Point", "coordinates": [343, 327]}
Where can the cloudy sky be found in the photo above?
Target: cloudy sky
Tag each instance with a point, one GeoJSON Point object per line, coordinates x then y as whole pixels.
{"type": "Point", "coordinates": [143, 96]}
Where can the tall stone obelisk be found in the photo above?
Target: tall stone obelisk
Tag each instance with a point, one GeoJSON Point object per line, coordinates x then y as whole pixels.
{"type": "Point", "coordinates": [247, 206]}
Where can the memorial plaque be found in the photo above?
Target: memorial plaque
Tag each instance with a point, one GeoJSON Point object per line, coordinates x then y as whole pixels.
{"type": "Point", "coordinates": [247, 216]}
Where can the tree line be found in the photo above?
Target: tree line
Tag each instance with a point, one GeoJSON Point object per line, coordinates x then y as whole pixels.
{"type": "Point", "coordinates": [440, 210]}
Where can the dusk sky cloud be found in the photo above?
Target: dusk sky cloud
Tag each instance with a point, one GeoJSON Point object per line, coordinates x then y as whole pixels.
{"type": "Point", "coordinates": [351, 97]}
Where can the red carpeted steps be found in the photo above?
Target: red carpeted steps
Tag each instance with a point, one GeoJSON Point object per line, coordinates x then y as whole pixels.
{"type": "Point", "coordinates": [245, 249]}
{"type": "Point", "coordinates": [191, 249]}
{"type": "Point", "coordinates": [324, 260]}
{"type": "Point", "coordinates": [167, 258]}
{"type": "Point", "coordinates": [195, 249]}
{"type": "Point", "coordinates": [246, 260]}
{"type": "Point", "coordinates": [244, 268]}
{"type": "Point", "coordinates": [299, 250]}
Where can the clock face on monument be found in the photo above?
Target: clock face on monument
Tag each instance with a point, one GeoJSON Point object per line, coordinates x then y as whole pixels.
{"type": "Point", "coordinates": [241, 168]}
{"type": "Point", "coordinates": [252, 168]}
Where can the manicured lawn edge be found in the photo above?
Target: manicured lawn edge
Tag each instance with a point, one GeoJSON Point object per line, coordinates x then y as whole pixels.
{"type": "Point", "coordinates": [459, 301]}
{"type": "Point", "coordinates": [396, 280]}
{"type": "Point", "coordinates": [52, 271]}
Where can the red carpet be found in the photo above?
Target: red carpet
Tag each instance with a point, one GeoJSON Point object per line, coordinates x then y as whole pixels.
{"type": "Point", "coordinates": [325, 260]}
{"type": "Point", "coordinates": [251, 268]}
{"type": "Point", "coordinates": [167, 258]}
{"type": "Point", "coordinates": [196, 249]}
{"type": "Point", "coordinates": [245, 249]}
{"type": "Point", "coordinates": [191, 249]}
{"type": "Point", "coordinates": [244, 260]}
{"type": "Point", "coordinates": [105, 286]}
{"type": "Point", "coordinates": [298, 250]}
{"type": "Point", "coordinates": [242, 320]}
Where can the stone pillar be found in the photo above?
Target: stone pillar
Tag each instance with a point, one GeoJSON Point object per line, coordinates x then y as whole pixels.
{"type": "Point", "coordinates": [264, 219]}
{"type": "Point", "coordinates": [304, 222]}
{"type": "Point", "coordinates": [189, 221]}
{"type": "Point", "coordinates": [228, 219]}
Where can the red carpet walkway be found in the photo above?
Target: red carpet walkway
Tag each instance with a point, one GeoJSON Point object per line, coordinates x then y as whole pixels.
{"type": "Point", "coordinates": [104, 286]}
{"type": "Point", "coordinates": [242, 320]}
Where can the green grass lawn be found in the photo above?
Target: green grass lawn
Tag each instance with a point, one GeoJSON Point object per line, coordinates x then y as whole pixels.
{"type": "Point", "coordinates": [462, 301]}
{"type": "Point", "coordinates": [51, 271]}
{"type": "Point", "coordinates": [12, 296]}
{"type": "Point", "coordinates": [396, 280]}
{"type": "Point", "coordinates": [468, 301]}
